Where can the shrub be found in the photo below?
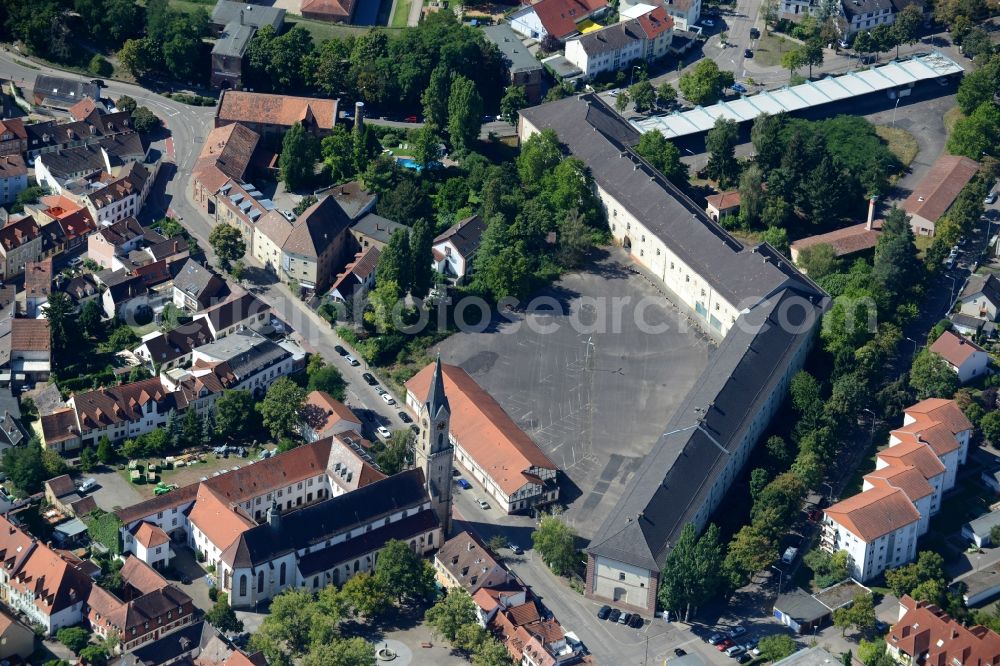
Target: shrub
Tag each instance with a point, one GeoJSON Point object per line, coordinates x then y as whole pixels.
{"type": "Point", "coordinates": [213, 594]}
{"type": "Point", "coordinates": [75, 638]}
{"type": "Point", "coordinates": [194, 100]}
{"type": "Point", "coordinates": [99, 66]}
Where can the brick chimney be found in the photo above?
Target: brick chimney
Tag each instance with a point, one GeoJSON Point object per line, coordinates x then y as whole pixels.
{"type": "Point", "coordinates": [871, 213]}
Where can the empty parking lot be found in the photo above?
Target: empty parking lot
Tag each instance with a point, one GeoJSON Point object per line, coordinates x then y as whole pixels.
{"type": "Point", "coordinates": [592, 372]}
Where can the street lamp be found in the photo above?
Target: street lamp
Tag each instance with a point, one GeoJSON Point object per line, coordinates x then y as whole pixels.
{"type": "Point", "coordinates": [896, 106]}
{"type": "Point", "coordinates": [865, 409]}
{"type": "Point", "coordinates": [829, 487]}
{"type": "Point", "coordinates": [780, 575]}
{"type": "Point", "coordinates": [699, 426]}
{"type": "Point", "coordinates": [914, 345]}
{"type": "Point", "coordinates": [631, 77]}
{"type": "Point", "coordinates": [951, 292]}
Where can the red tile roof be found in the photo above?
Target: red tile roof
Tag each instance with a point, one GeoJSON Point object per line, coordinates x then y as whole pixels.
{"type": "Point", "coordinates": [83, 108]}
{"type": "Point", "coordinates": [216, 519]}
{"type": "Point", "coordinates": [937, 191]}
{"type": "Point", "coordinates": [30, 335]}
{"type": "Point", "coordinates": [656, 22]}
{"type": "Point", "coordinates": [328, 10]}
{"type": "Point", "coordinates": [281, 110]}
{"type": "Point", "coordinates": [846, 241]}
{"type": "Point", "coordinates": [918, 454]}
{"type": "Point", "coordinates": [955, 348]}
{"type": "Point", "coordinates": [226, 154]}
{"type": "Point", "coordinates": [940, 410]}
{"type": "Point", "coordinates": [18, 232]}
{"type": "Point", "coordinates": [905, 477]}
{"type": "Point", "coordinates": [559, 17]}
{"type": "Point", "coordinates": [484, 429]}
{"type": "Point", "coordinates": [59, 426]}
{"type": "Point", "coordinates": [327, 412]}
{"type": "Point", "coordinates": [927, 633]}
{"type": "Point", "coordinates": [118, 403]}
{"type": "Point", "coordinates": [875, 512]}
{"type": "Point", "coordinates": [724, 200]}
{"type": "Point", "coordinates": [150, 536]}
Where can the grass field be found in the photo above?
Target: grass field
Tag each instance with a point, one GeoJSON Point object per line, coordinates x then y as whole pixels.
{"type": "Point", "coordinates": [901, 143]}
{"type": "Point", "coordinates": [321, 30]}
{"type": "Point", "coordinates": [951, 117]}
{"type": "Point", "coordinates": [769, 49]}
{"type": "Point", "coordinates": [401, 14]}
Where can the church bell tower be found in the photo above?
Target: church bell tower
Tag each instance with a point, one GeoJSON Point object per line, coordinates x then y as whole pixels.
{"type": "Point", "coordinates": [434, 450]}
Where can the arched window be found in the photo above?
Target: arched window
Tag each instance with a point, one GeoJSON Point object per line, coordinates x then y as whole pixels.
{"type": "Point", "coordinates": [260, 582]}
{"type": "Point", "coordinates": [440, 439]}
{"type": "Point", "coordinates": [243, 585]}
{"type": "Point", "coordinates": [281, 574]}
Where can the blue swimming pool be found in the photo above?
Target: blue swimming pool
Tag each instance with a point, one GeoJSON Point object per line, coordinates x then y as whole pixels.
{"type": "Point", "coordinates": [409, 163]}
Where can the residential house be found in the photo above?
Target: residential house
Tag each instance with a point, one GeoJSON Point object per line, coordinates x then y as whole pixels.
{"type": "Point", "coordinates": [59, 431]}
{"type": "Point", "coordinates": [324, 416]}
{"type": "Point", "coordinates": [12, 433]}
{"type": "Point", "coordinates": [943, 426]}
{"type": "Point", "coordinates": [20, 242]}
{"type": "Point", "coordinates": [722, 205]}
{"type": "Point", "coordinates": [358, 277]}
{"type": "Point", "coordinates": [934, 195]}
{"type": "Point", "coordinates": [13, 177]}
{"type": "Point", "coordinates": [464, 562]}
{"type": "Point", "coordinates": [685, 13]}
{"type": "Point", "coordinates": [926, 634]}
{"type": "Point", "coordinates": [123, 195]}
{"type": "Point", "coordinates": [121, 412]}
{"type": "Point", "coordinates": [558, 18]}
{"type": "Point", "coordinates": [25, 351]}
{"type": "Point", "coordinates": [924, 497]}
{"type": "Point", "coordinates": [524, 68]}
{"type": "Point", "coordinates": [62, 93]}
{"type": "Point", "coordinates": [81, 289]}
{"type": "Point", "coordinates": [353, 198]}
{"type": "Point", "coordinates": [963, 356]}
{"type": "Point", "coordinates": [37, 285]}
{"type": "Point", "coordinates": [114, 241]}
{"type": "Point", "coordinates": [17, 640]}
{"type": "Point", "coordinates": [374, 231]}
{"type": "Point", "coordinates": [238, 312]}
{"type": "Point", "coordinates": [241, 206]}
{"type": "Point", "coordinates": [198, 642]}
{"type": "Point", "coordinates": [197, 287]}
{"type": "Point", "coordinates": [226, 154]}
{"type": "Point", "coordinates": [317, 246]}
{"type": "Point", "coordinates": [269, 236]}
{"type": "Point", "coordinates": [57, 169]}
{"type": "Point", "coordinates": [63, 495]}
{"type": "Point", "coordinates": [272, 115]}
{"type": "Point", "coordinates": [980, 297]}
{"type": "Point", "coordinates": [333, 11]}
{"type": "Point", "coordinates": [489, 444]}
{"type": "Point", "coordinates": [980, 530]}
{"type": "Point", "coordinates": [234, 36]}
{"type": "Point", "coordinates": [13, 137]}
{"type": "Point", "coordinates": [919, 455]}
{"type": "Point", "coordinates": [72, 220]}
{"type": "Point", "coordinates": [55, 135]}
{"type": "Point", "coordinates": [173, 348]}
{"type": "Point", "coordinates": [86, 106]}
{"type": "Point", "coordinates": [877, 528]}
{"type": "Point", "coordinates": [123, 287]}
{"type": "Point", "coordinates": [454, 250]}
{"type": "Point", "coordinates": [866, 14]}
{"type": "Point", "coordinates": [251, 361]}
{"type": "Point", "coordinates": [617, 46]}
{"type": "Point", "coordinates": [38, 582]}
{"type": "Point", "coordinates": [148, 609]}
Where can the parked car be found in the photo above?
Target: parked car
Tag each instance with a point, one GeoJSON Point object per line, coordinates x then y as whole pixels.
{"type": "Point", "coordinates": [380, 390]}
{"type": "Point", "coordinates": [747, 53]}
{"type": "Point", "coordinates": [483, 504]}
{"type": "Point", "coordinates": [514, 548]}
{"type": "Point", "coordinates": [389, 400]}
{"type": "Point", "coordinates": [369, 379]}
{"type": "Point", "coordinates": [735, 651]}
{"type": "Point", "coordinates": [744, 658]}
{"type": "Point", "coordinates": [788, 557]}
{"type": "Point", "coordinates": [410, 119]}
{"type": "Point", "coordinates": [383, 432]}
{"type": "Point", "coordinates": [737, 631]}
{"type": "Point", "coordinates": [615, 614]}
{"type": "Point", "coordinates": [708, 23]}
{"type": "Point", "coordinates": [351, 360]}
{"type": "Point", "coordinates": [86, 484]}
{"type": "Point", "coordinates": [636, 622]}
{"type": "Point", "coordinates": [990, 198]}
{"type": "Point", "coordinates": [754, 33]}
{"type": "Point", "coordinates": [724, 645]}
{"type": "Point", "coordinates": [603, 612]}
{"type": "Point", "coordinates": [679, 652]}
{"type": "Point", "coordinates": [463, 484]}
{"type": "Point", "coordinates": [625, 618]}
{"type": "Point", "coordinates": [740, 88]}
{"type": "Point", "coordinates": [404, 417]}
{"type": "Point", "coordinates": [340, 350]}
{"type": "Point", "coordinates": [716, 638]}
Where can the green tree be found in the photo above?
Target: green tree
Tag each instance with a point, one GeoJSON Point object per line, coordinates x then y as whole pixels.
{"type": "Point", "coordinates": [395, 263]}
{"type": "Point", "coordinates": [812, 54]}
{"type": "Point", "coordinates": [448, 615]}
{"type": "Point", "coordinates": [977, 133]}
{"type": "Point", "coordinates": [622, 101]}
{"type": "Point", "coordinates": [643, 96]}
{"type": "Point", "coordinates": [979, 86]}
{"type": "Point", "coordinates": [514, 99]}
{"type": "Point", "coordinates": [977, 43]}
{"type": "Point", "coordinates": [860, 614]}
{"type": "Point", "coordinates": [721, 144]}
{"type": "Point", "coordinates": [906, 25]}
{"type": "Point", "coordinates": [765, 134]}
{"type": "Point", "coordinates": [556, 543]}
{"type": "Point", "coordinates": [337, 150]}
{"type": "Point", "coordinates": [989, 425]}
{"type": "Point", "coordinates": [138, 56]}
{"type": "Point", "coordinates": [88, 459]}
{"type": "Point", "coordinates": [329, 380]}
{"type": "Point", "coordinates": [704, 83]}
{"type": "Point", "coordinates": [465, 114]}
{"type": "Point", "coordinates": [365, 596]}
{"type": "Point", "coordinates": [95, 655]}
{"type": "Point", "coordinates": [748, 552]}
{"type": "Point", "coordinates": [666, 94]}
{"type": "Point", "coordinates": [281, 407]}
{"type": "Point", "coordinates": [403, 572]}
{"type": "Point", "coordinates": [692, 572]}
{"type": "Point", "coordinates": [758, 480]}
{"type": "Point", "coordinates": [792, 60]}
{"type": "Point", "coordinates": [299, 154]}
{"type": "Point", "coordinates": [228, 244]}
{"type": "Point", "coordinates": [75, 638]}
{"type": "Point", "coordinates": [425, 146]}
{"type": "Point", "coordinates": [777, 238]}
{"type": "Point", "coordinates": [422, 273]}
{"type": "Point", "coordinates": [435, 97]}
{"type": "Point", "coordinates": [491, 652]}
{"type": "Point", "coordinates": [304, 204]}
{"type": "Point", "coordinates": [222, 617]}
{"type": "Point", "coordinates": [932, 377]}
{"type": "Point", "coordinates": [62, 325]}
{"type": "Point", "coordinates": [663, 155]}
{"type": "Point", "coordinates": [145, 121]}
{"type": "Point", "coordinates": [896, 269]}
{"type": "Point", "coordinates": [776, 647]}
{"type": "Point", "coordinates": [540, 154]}
{"type": "Point", "coordinates": [395, 456]}
{"type": "Point", "coordinates": [575, 240]}
{"type": "Point", "coordinates": [231, 413]}
{"type": "Point", "coordinates": [752, 196]}
{"type": "Point", "coordinates": [290, 621]}
{"type": "Point", "coordinates": [105, 451]}
{"type": "Point", "coordinates": [354, 651]}
{"type": "Point", "coordinates": [24, 467]}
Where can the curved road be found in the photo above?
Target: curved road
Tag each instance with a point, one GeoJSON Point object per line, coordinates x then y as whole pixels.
{"type": "Point", "coordinates": [187, 127]}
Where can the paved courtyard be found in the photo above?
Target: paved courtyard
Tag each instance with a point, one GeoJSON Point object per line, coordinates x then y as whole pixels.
{"type": "Point", "coordinates": [589, 375]}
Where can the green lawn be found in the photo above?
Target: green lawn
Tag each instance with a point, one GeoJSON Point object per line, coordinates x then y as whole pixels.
{"type": "Point", "coordinates": [322, 31]}
{"type": "Point", "coordinates": [401, 15]}
{"type": "Point", "coordinates": [901, 143]}
{"type": "Point", "coordinates": [769, 49]}
{"type": "Point", "coordinates": [190, 6]}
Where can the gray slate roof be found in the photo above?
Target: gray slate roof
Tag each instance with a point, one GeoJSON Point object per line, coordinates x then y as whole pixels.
{"type": "Point", "coordinates": [198, 282]}
{"type": "Point", "coordinates": [518, 58]}
{"type": "Point", "coordinates": [377, 227]}
{"type": "Point", "coordinates": [801, 606]}
{"type": "Point", "coordinates": [612, 38]}
{"type": "Point", "coordinates": [598, 136]}
{"type": "Point", "coordinates": [987, 285]}
{"type": "Point", "coordinates": [858, 8]}
{"type": "Point", "coordinates": [983, 524]}
{"type": "Point", "coordinates": [60, 91]}
{"type": "Point", "coordinates": [233, 40]}
{"type": "Point", "coordinates": [742, 376]}
{"type": "Point", "coordinates": [120, 148]}
{"type": "Point", "coordinates": [256, 16]}
{"type": "Point", "coordinates": [245, 352]}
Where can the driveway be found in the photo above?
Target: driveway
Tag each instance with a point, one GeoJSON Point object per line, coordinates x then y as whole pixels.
{"type": "Point", "coordinates": [185, 565]}
{"type": "Point", "coordinates": [113, 490]}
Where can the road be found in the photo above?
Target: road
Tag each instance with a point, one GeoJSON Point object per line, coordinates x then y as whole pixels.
{"type": "Point", "coordinates": [187, 127]}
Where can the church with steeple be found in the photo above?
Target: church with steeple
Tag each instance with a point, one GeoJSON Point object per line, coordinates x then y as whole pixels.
{"type": "Point", "coordinates": [434, 452]}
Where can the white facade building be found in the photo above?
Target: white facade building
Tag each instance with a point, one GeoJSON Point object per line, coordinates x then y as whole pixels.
{"type": "Point", "coordinates": [614, 48]}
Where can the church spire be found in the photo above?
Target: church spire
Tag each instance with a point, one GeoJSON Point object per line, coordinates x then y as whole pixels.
{"type": "Point", "coordinates": [436, 399]}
